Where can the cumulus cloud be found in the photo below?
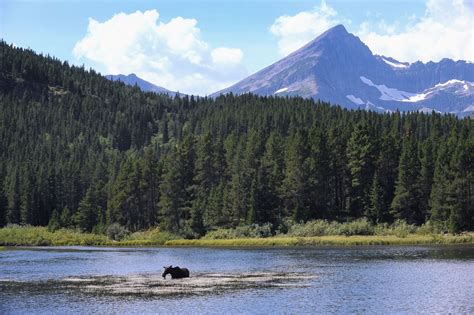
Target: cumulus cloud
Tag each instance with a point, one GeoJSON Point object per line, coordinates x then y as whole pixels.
{"type": "Point", "coordinates": [445, 31]}
{"type": "Point", "coordinates": [294, 31]}
{"type": "Point", "coordinates": [224, 55]}
{"type": "Point", "coordinates": [172, 54]}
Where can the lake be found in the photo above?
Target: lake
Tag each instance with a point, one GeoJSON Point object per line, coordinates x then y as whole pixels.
{"type": "Point", "coordinates": [316, 280]}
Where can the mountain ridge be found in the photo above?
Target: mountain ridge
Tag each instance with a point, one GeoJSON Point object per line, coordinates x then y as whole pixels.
{"type": "Point", "coordinates": [337, 67]}
{"type": "Point", "coordinates": [133, 79]}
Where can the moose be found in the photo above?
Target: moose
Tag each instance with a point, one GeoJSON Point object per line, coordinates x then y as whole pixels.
{"type": "Point", "coordinates": [175, 272]}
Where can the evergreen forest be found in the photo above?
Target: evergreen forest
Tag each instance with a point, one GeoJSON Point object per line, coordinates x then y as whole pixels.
{"type": "Point", "coordinates": [80, 151]}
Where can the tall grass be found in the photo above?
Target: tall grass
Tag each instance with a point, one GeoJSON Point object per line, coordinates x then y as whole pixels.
{"type": "Point", "coordinates": [335, 240]}
{"type": "Point", "coordinates": [313, 233]}
{"type": "Point", "coordinates": [360, 227]}
{"type": "Point", "coordinates": [16, 235]}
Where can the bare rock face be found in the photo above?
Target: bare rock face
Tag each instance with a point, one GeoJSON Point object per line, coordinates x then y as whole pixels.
{"type": "Point", "coordinates": [338, 67]}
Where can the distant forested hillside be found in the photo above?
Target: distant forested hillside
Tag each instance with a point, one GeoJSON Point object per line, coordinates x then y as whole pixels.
{"type": "Point", "coordinates": [83, 151]}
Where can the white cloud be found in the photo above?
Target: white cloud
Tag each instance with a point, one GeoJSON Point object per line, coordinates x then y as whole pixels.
{"type": "Point", "coordinates": [171, 54]}
{"type": "Point", "coordinates": [223, 55]}
{"type": "Point", "coordinates": [295, 31]}
{"type": "Point", "coordinates": [445, 31]}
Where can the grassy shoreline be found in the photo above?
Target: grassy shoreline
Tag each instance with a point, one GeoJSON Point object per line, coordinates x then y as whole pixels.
{"type": "Point", "coordinates": [40, 236]}
{"type": "Point", "coordinates": [337, 240]}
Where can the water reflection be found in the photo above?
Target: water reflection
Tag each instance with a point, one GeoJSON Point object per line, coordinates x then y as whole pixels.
{"type": "Point", "coordinates": [379, 279]}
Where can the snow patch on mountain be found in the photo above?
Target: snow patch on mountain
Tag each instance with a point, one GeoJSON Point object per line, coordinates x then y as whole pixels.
{"type": "Point", "coordinates": [394, 64]}
{"type": "Point", "coordinates": [460, 87]}
{"type": "Point", "coordinates": [355, 99]}
{"type": "Point", "coordinates": [387, 93]}
{"type": "Point", "coordinates": [470, 108]}
{"type": "Point", "coordinates": [466, 85]}
{"type": "Point", "coordinates": [417, 97]}
{"type": "Point", "coordinates": [281, 90]}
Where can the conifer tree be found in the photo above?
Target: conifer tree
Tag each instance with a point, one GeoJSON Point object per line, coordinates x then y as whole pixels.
{"type": "Point", "coordinates": [442, 180]}
{"type": "Point", "coordinates": [426, 177]}
{"type": "Point", "coordinates": [461, 189]}
{"type": "Point", "coordinates": [377, 210]}
{"type": "Point", "coordinates": [13, 198]}
{"type": "Point", "coordinates": [149, 187]}
{"type": "Point", "coordinates": [406, 202]}
{"type": "Point", "coordinates": [295, 186]}
{"type": "Point", "coordinates": [360, 164]}
{"type": "Point", "coordinates": [320, 170]}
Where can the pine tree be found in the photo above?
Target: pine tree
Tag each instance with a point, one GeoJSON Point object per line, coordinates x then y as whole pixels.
{"type": "Point", "coordinates": [320, 171]}
{"type": "Point", "coordinates": [27, 198]}
{"type": "Point", "coordinates": [340, 183]}
{"type": "Point", "coordinates": [461, 189]}
{"type": "Point", "coordinates": [360, 164]}
{"type": "Point", "coordinates": [205, 179]}
{"type": "Point", "coordinates": [176, 188]}
{"type": "Point", "coordinates": [65, 219]}
{"type": "Point", "coordinates": [377, 211]}
{"type": "Point", "coordinates": [237, 193]}
{"type": "Point", "coordinates": [54, 224]}
{"type": "Point", "coordinates": [426, 177]}
{"type": "Point", "coordinates": [266, 199]}
{"type": "Point", "coordinates": [442, 179]}
{"type": "Point", "coordinates": [90, 208]}
{"type": "Point", "coordinates": [387, 171]}
{"type": "Point", "coordinates": [406, 203]}
{"type": "Point", "coordinates": [13, 198]}
{"type": "Point", "coordinates": [295, 186]}
{"type": "Point", "coordinates": [149, 188]}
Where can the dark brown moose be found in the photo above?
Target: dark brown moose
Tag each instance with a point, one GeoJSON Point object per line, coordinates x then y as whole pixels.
{"type": "Point", "coordinates": [176, 272]}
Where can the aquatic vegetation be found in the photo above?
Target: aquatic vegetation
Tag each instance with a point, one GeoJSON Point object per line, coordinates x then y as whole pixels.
{"type": "Point", "coordinates": [155, 285]}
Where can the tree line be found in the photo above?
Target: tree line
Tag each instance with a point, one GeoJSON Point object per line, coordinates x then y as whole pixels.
{"type": "Point", "coordinates": [77, 150]}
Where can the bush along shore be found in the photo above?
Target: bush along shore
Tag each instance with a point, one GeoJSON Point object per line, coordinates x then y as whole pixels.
{"type": "Point", "coordinates": [313, 233]}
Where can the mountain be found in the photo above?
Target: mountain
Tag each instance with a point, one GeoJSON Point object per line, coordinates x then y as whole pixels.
{"type": "Point", "coordinates": [133, 79]}
{"type": "Point", "coordinates": [338, 67]}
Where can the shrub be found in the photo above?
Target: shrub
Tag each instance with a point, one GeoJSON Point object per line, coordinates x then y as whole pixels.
{"type": "Point", "coordinates": [429, 228]}
{"type": "Point", "coordinates": [356, 227]}
{"type": "Point", "coordinates": [153, 236]}
{"type": "Point", "coordinates": [54, 223]}
{"type": "Point", "coordinates": [324, 228]}
{"type": "Point", "coordinates": [242, 231]}
{"type": "Point", "coordinates": [116, 232]}
{"type": "Point", "coordinates": [399, 228]}
{"type": "Point", "coordinates": [311, 228]}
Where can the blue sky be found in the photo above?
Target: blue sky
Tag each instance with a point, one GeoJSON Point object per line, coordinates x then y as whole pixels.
{"type": "Point", "coordinates": [202, 46]}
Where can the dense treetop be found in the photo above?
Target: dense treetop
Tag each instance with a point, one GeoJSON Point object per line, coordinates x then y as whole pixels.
{"type": "Point", "coordinates": [79, 150]}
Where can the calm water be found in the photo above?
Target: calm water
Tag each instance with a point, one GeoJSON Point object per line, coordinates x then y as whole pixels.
{"type": "Point", "coordinates": [403, 280]}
